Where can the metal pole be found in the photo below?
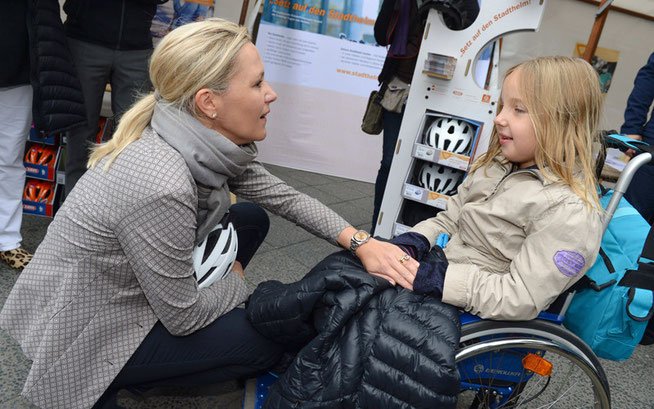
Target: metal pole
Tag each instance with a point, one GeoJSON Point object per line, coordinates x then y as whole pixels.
{"type": "Point", "coordinates": [596, 32]}
{"type": "Point", "coordinates": [244, 12]}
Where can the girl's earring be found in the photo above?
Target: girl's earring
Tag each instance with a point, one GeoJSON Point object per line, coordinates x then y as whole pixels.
{"type": "Point", "coordinates": [214, 115]}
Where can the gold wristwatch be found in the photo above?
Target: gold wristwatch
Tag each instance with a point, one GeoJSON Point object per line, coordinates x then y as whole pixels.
{"type": "Point", "coordinates": [358, 238]}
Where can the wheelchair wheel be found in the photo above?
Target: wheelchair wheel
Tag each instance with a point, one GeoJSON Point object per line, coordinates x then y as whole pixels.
{"type": "Point", "coordinates": [531, 364]}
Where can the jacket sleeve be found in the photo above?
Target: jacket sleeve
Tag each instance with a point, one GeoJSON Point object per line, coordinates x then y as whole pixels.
{"type": "Point", "coordinates": [445, 221]}
{"type": "Point", "coordinates": [383, 22]}
{"type": "Point", "coordinates": [554, 255]}
{"type": "Point", "coordinates": [157, 238]}
{"type": "Point", "coordinates": [640, 100]}
{"type": "Point", "coordinates": [272, 193]}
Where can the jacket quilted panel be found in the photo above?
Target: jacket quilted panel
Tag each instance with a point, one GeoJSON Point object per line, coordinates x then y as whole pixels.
{"type": "Point", "coordinates": [58, 101]}
{"type": "Point", "coordinates": [362, 343]}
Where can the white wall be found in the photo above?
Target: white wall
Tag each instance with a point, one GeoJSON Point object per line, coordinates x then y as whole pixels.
{"type": "Point", "coordinates": [567, 22]}
{"type": "Point", "coordinates": [231, 9]}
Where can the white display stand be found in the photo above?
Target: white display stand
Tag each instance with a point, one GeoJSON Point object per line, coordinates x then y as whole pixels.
{"type": "Point", "coordinates": [457, 97]}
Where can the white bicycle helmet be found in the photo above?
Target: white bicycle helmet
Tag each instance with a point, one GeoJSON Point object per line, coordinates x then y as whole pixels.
{"type": "Point", "coordinates": [213, 257]}
{"type": "Point", "coordinates": [449, 134]}
{"type": "Point", "coordinates": [439, 178]}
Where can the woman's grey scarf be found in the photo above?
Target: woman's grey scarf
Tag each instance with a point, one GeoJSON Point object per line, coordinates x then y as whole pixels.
{"type": "Point", "coordinates": [211, 157]}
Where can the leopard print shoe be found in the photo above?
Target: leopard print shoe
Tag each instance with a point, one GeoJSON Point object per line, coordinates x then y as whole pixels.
{"type": "Point", "coordinates": [16, 258]}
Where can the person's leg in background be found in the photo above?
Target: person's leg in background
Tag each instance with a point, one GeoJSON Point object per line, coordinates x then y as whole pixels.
{"type": "Point", "coordinates": [130, 79]}
{"type": "Point", "coordinates": [640, 192]}
{"type": "Point", "coordinates": [15, 120]}
{"type": "Point", "coordinates": [391, 124]}
{"type": "Point", "coordinates": [93, 64]}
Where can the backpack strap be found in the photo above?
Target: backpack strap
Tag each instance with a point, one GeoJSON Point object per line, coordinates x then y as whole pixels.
{"type": "Point", "coordinates": [587, 282]}
{"type": "Point", "coordinates": [643, 277]}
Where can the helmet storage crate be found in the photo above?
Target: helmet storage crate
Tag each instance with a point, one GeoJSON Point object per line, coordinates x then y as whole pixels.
{"type": "Point", "coordinates": [448, 117]}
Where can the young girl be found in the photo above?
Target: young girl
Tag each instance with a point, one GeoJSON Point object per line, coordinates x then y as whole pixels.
{"type": "Point", "coordinates": [525, 224]}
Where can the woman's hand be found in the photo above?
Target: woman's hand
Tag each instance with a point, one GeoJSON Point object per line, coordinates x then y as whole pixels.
{"type": "Point", "coordinates": [238, 269]}
{"type": "Point", "coordinates": [388, 261]}
{"type": "Point", "coordinates": [631, 152]}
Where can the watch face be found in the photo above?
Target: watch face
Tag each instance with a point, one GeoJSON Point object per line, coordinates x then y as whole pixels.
{"type": "Point", "coordinates": [360, 235]}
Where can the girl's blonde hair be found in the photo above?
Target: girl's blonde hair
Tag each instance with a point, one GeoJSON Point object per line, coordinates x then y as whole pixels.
{"type": "Point", "coordinates": [190, 58]}
{"type": "Point", "coordinates": [564, 101]}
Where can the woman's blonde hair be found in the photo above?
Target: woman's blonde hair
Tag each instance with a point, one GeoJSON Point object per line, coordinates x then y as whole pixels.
{"type": "Point", "coordinates": [564, 101]}
{"type": "Point", "coordinates": [190, 58]}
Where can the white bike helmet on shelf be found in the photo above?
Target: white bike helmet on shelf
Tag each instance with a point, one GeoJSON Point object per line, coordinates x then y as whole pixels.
{"type": "Point", "coordinates": [214, 257]}
{"type": "Point", "coordinates": [439, 178]}
{"type": "Point", "coordinates": [449, 134]}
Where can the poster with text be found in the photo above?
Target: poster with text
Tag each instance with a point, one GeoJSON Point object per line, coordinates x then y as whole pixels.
{"type": "Point", "coordinates": [175, 13]}
{"type": "Point", "coordinates": [604, 61]}
{"type": "Point", "coordinates": [321, 58]}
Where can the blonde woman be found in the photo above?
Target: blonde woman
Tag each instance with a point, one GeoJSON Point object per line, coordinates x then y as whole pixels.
{"type": "Point", "coordinates": [525, 225]}
{"type": "Point", "coordinates": [110, 299]}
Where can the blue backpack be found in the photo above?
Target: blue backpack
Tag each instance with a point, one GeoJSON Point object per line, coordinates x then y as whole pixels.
{"type": "Point", "coordinates": [614, 301]}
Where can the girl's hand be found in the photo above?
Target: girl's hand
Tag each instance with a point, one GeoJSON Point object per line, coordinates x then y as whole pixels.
{"type": "Point", "coordinates": [383, 260]}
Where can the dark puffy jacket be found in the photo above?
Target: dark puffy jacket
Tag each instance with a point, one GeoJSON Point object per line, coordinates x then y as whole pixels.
{"type": "Point", "coordinates": [37, 53]}
{"type": "Point", "coordinates": [115, 24]}
{"type": "Point", "coordinates": [364, 344]}
{"type": "Point", "coordinates": [58, 101]}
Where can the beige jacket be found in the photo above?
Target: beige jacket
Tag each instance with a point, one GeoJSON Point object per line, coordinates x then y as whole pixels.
{"type": "Point", "coordinates": [517, 241]}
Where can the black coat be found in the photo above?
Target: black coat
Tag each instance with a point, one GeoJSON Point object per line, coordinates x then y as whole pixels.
{"type": "Point", "coordinates": [14, 46]}
{"type": "Point", "coordinates": [35, 52]}
{"type": "Point", "coordinates": [115, 24]}
{"type": "Point", "coordinates": [362, 343]}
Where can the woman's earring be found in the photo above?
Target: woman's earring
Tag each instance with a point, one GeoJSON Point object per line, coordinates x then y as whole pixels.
{"type": "Point", "coordinates": [214, 115]}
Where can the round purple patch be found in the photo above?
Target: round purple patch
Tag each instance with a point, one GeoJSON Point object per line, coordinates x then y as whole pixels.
{"type": "Point", "coordinates": [569, 263]}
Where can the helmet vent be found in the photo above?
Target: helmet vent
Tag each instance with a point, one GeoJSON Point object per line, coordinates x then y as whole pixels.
{"type": "Point", "coordinates": [211, 243]}
{"type": "Point", "coordinates": [227, 245]}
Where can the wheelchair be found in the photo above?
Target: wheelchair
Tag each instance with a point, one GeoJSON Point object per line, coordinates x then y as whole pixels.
{"type": "Point", "coordinates": [525, 364]}
{"type": "Point", "coordinates": [537, 363]}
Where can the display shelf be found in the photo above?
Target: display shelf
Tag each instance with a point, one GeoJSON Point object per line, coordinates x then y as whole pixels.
{"type": "Point", "coordinates": [400, 228]}
{"type": "Point", "coordinates": [452, 160]}
{"type": "Point", "coordinates": [34, 136]}
{"type": "Point", "coordinates": [454, 93]}
{"type": "Point", "coordinates": [426, 196]}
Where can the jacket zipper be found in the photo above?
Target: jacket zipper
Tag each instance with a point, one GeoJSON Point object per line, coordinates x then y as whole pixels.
{"type": "Point", "coordinates": [497, 185]}
{"type": "Point", "coordinates": [120, 29]}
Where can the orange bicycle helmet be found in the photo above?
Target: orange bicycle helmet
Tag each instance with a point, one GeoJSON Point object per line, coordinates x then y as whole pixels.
{"type": "Point", "coordinates": [41, 155]}
{"type": "Point", "coordinates": [48, 156]}
{"type": "Point", "coordinates": [39, 191]}
{"type": "Point", "coordinates": [33, 154]}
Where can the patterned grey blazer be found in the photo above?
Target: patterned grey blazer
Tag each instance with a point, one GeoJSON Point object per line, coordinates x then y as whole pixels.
{"type": "Point", "coordinates": [117, 258]}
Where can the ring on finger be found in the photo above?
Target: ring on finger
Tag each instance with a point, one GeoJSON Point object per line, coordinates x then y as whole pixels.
{"type": "Point", "coordinates": [404, 258]}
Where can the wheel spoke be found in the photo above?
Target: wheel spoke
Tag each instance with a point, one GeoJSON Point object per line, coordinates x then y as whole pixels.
{"type": "Point", "coordinates": [493, 373]}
